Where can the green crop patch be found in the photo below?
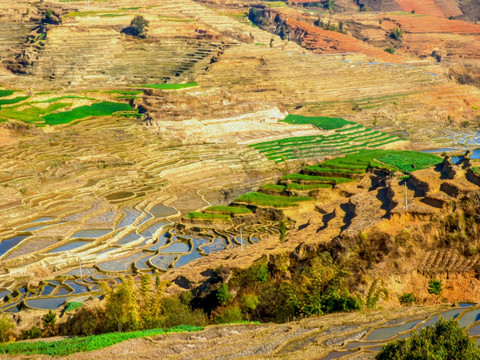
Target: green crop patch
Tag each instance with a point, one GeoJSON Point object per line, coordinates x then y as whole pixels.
{"type": "Point", "coordinates": [4, 93]}
{"type": "Point", "coordinates": [231, 210]}
{"type": "Point", "coordinates": [261, 199]}
{"type": "Point", "coordinates": [345, 140]}
{"type": "Point", "coordinates": [168, 86]}
{"type": "Point", "coordinates": [207, 216]}
{"type": "Point", "coordinates": [325, 123]}
{"type": "Point", "coordinates": [273, 187]}
{"type": "Point", "coordinates": [13, 101]}
{"type": "Point", "coordinates": [73, 305]}
{"type": "Point", "coordinates": [31, 114]}
{"type": "Point", "coordinates": [83, 344]}
{"type": "Point", "coordinates": [55, 99]}
{"type": "Point", "coordinates": [333, 169]}
{"type": "Point", "coordinates": [124, 92]}
{"type": "Point", "coordinates": [318, 179]}
{"type": "Point", "coordinates": [392, 160]}
{"type": "Point", "coordinates": [297, 186]}
{"type": "Point", "coordinates": [105, 108]}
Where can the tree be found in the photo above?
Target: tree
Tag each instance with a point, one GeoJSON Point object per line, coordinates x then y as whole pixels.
{"type": "Point", "coordinates": [138, 27]}
{"type": "Point", "coordinates": [397, 33]}
{"type": "Point", "coordinates": [445, 340]}
{"type": "Point", "coordinates": [121, 305]}
{"type": "Point", "coordinates": [6, 328]}
{"type": "Point", "coordinates": [435, 286]}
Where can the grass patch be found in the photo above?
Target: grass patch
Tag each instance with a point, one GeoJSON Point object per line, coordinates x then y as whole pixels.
{"type": "Point", "coordinates": [84, 344]}
{"type": "Point", "coordinates": [124, 92]}
{"type": "Point", "coordinates": [31, 114]}
{"type": "Point", "coordinates": [13, 101]}
{"type": "Point", "coordinates": [273, 187]}
{"type": "Point", "coordinates": [297, 186]}
{"type": "Point", "coordinates": [314, 178]}
{"type": "Point", "coordinates": [231, 210]}
{"type": "Point", "coordinates": [337, 170]}
{"type": "Point", "coordinates": [169, 86]}
{"type": "Point", "coordinates": [55, 99]}
{"type": "Point", "coordinates": [325, 123]}
{"type": "Point", "coordinates": [207, 216]}
{"type": "Point", "coordinates": [105, 108]}
{"type": "Point", "coordinates": [4, 93]}
{"type": "Point", "coordinates": [261, 199]}
{"type": "Point", "coordinates": [73, 305]}
{"type": "Point", "coordinates": [476, 170]}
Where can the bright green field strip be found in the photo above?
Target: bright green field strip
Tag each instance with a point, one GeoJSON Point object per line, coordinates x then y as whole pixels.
{"type": "Point", "coordinates": [273, 187]}
{"type": "Point", "coordinates": [313, 178]}
{"type": "Point", "coordinates": [228, 210]}
{"type": "Point", "coordinates": [55, 99]}
{"type": "Point", "coordinates": [84, 344]}
{"type": "Point", "coordinates": [297, 186]}
{"type": "Point", "coordinates": [168, 86]}
{"type": "Point", "coordinates": [124, 92]}
{"type": "Point", "coordinates": [99, 109]}
{"type": "Point", "coordinates": [261, 199]}
{"type": "Point", "coordinates": [476, 170]}
{"type": "Point", "coordinates": [321, 122]}
{"type": "Point", "coordinates": [4, 93]}
{"type": "Point", "coordinates": [207, 216]}
{"type": "Point", "coordinates": [13, 101]}
{"type": "Point", "coordinates": [31, 114]}
{"type": "Point", "coordinates": [323, 169]}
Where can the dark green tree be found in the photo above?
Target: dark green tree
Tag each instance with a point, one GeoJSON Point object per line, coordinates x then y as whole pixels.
{"type": "Point", "coordinates": [139, 27]}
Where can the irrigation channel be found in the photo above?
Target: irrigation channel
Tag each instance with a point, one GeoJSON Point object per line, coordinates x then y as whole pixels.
{"type": "Point", "coordinates": [140, 242]}
{"type": "Point", "coordinates": [467, 314]}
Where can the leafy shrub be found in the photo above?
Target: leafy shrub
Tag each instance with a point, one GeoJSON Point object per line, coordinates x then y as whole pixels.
{"type": "Point", "coordinates": [229, 315]}
{"type": "Point", "coordinates": [223, 294]}
{"type": "Point", "coordinates": [33, 333]}
{"type": "Point", "coordinates": [445, 340]}
{"type": "Point", "coordinates": [407, 299]}
{"type": "Point", "coordinates": [390, 50]}
{"type": "Point", "coordinates": [435, 286]}
{"type": "Point", "coordinates": [178, 313]}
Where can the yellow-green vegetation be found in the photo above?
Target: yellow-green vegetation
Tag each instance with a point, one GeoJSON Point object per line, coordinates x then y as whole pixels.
{"type": "Point", "coordinates": [207, 216]}
{"type": "Point", "coordinates": [31, 114]}
{"type": "Point", "coordinates": [261, 199]}
{"type": "Point", "coordinates": [169, 86]}
{"type": "Point", "coordinates": [231, 210]}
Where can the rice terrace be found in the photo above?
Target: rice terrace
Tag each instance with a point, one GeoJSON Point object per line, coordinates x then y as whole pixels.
{"type": "Point", "coordinates": [241, 179]}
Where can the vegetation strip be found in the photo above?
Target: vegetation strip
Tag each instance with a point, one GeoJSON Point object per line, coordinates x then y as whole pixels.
{"type": "Point", "coordinates": [83, 344]}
